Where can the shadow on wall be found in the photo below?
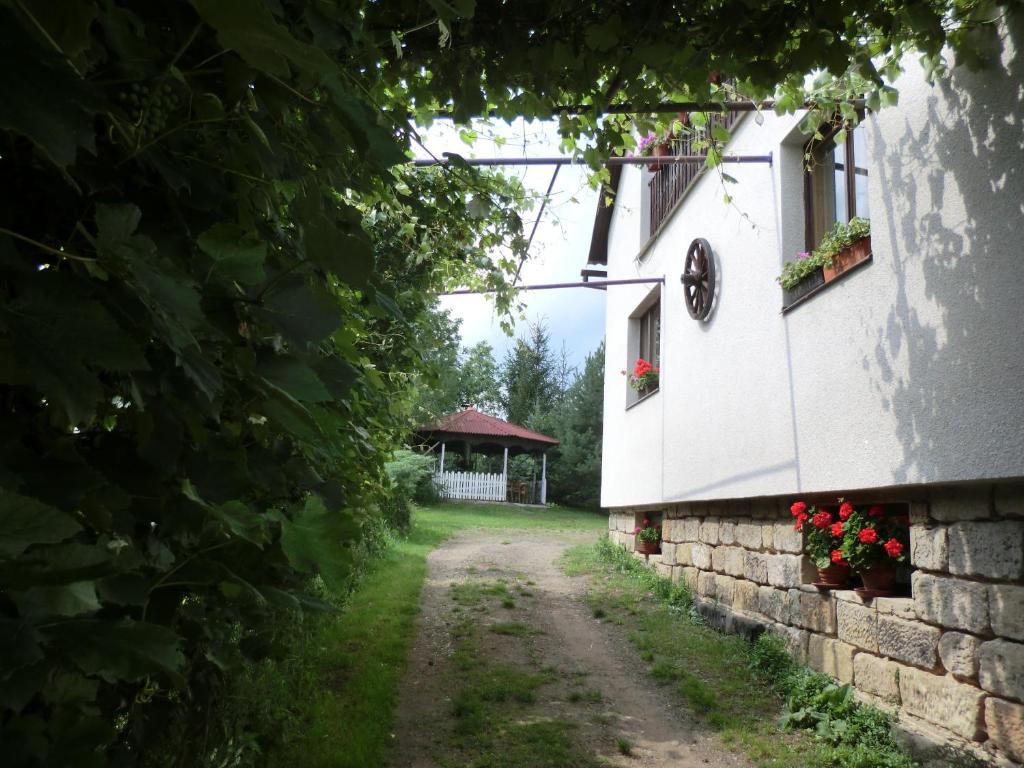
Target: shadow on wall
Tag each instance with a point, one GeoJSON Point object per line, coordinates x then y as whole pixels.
{"type": "Point", "coordinates": [955, 365]}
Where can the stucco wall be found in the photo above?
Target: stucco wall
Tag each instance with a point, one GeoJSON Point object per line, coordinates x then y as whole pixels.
{"type": "Point", "coordinates": [908, 371]}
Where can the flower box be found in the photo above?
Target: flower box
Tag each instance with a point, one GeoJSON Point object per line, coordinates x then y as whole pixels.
{"type": "Point", "coordinates": [809, 284]}
{"type": "Point", "coordinates": [847, 258]}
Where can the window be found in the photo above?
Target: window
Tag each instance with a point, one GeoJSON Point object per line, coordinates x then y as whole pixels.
{"type": "Point", "coordinates": [644, 344]}
{"type": "Point", "coordinates": [836, 187]}
{"type": "Point", "coordinates": [650, 335]}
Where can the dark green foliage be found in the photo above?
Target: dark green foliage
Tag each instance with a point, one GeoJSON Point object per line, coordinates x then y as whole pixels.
{"type": "Point", "coordinates": [528, 376]}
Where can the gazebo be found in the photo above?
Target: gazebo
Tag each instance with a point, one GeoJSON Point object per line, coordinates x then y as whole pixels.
{"type": "Point", "coordinates": [471, 431]}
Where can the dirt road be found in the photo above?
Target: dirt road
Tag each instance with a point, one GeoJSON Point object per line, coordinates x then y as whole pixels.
{"type": "Point", "coordinates": [510, 667]}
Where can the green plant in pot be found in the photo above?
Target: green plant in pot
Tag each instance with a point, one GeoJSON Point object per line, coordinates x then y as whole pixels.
{"type": "Point", "coordinates": [837, 242]}
{"type": "Point", "coordinates": [648, 538]}
{"type": "Point", "coordinates": [875, 544]}
{"type": "Point", "coordinates": [824, 537]}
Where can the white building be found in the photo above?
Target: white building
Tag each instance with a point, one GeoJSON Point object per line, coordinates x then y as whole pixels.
{"type": "Point", "coordinates": [900, 382]}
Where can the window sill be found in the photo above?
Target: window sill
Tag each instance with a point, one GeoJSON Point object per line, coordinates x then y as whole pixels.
{"type": "Point", "coordinates": [801, 292]}
{"type": "Point", "coordinates": [642, 398]}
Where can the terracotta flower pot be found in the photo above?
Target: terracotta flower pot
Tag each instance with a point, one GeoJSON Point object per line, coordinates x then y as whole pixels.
{"type": "Point", "coordinates": [648, 547]}
{"type": "Point", "coordinates": [848, 258]}
{"type": "Point", "coordinates": [835, 575]}
{"type": "Point", "coordinates": [658, 150]}
{"type": "Point", "coordinates": [879, 579]}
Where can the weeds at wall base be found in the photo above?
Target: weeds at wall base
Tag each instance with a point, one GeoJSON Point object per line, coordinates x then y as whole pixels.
{"type": "Point", "coordinates": [702, 665]}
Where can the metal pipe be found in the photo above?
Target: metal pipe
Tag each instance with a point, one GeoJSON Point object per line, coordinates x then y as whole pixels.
{"type": "Point", "coordinates": [549, 286]}
{"type": "Point", "coordinates": [667, 107]}
{"type": "Point", "coordinates": [611, 161]}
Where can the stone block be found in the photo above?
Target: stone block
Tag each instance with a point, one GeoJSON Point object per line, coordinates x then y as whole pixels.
{"type": "Point", "coordinates": [959, 654]}
{"type": "Point", "coordinates": [755, 567]}
{"type": "Point", "coordinates": [814, 611]}
{"type": "Point", "coordinates": [684, 554]}
{"type": "Point", "coordinates": [929, 547]}
{"type": "Point", "coordinates": [942, 700]}
{"type": "Point", "coordinates": [1001, 668]}
{"type": "Point", "coordinates": [774, 603]}
{"type": "Point", "coordinates": [668, 553]}
{"type": "Point", "coordinates": [858, 625]}
{"type": "Point", "coordinates": [727, 532]}
{"type": "Point", "coordinates": [951, 602]}
{"type": "Point", "coordinates": [1009, 500]}
{"type": "Point", "coordinates": [918, 513]}
{"type": "Point", "coordinates": [952, 504]}
{"type": "Point", "coordinates": [876, 676]}
{"type": "Point", "coordinates": [909, 641]}
{"type": "Point", "coordinates": [689, 578]}
{"type": "Point", "coordinates": [993, 550]}
{"type": "Point", "coordinates": [748, 534]}
{"type": "Point", "coordinates": [895, 606]}
{"type": "Point", "coordinates": [789, 570]}
{"type": "Point", "coordinates": [787, 539]}
{"type": "Point", "coordinates": [1004, 722]}
{"type": "Point", "coordinates": [767, 536]}
{"type": "Point", "coordinates": [663, 569]}
{"type": "Point", "coordinates": [833, 657]}
{"type": "Point", "coordinates": [668, 531]}
{"type": "Point", "coordinates": [701, 555]}
{"type": "Point", "coordinates": [709, 531]}
{"type": "Point", "coordinates": [706, 584]}
{"type": "Point", "coordinates": [1006, 609]}
{"type": "Point", "coordinates": [727, 560]}
{"type": "Point", "coordinates": [746, 596]}
{"type": "Point", "coordinates": [796, 640]}
{"type": "Point", "coordinates": [724, 586]}
{"type": "Point", "coordinates": [691, 529]}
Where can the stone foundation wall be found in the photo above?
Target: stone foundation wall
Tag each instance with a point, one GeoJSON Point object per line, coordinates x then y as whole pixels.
{"type": "Point", "coordinates": [949, 659]}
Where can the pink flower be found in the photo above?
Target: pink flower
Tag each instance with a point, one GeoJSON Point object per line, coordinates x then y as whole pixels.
{"type": "Point", "coordinates": [803, 255]}
{"type": "Point", "coordinates": [636, 531]}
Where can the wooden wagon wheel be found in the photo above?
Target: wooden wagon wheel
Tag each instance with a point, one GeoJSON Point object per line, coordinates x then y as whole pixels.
{"type": "Point", "coordinates": [698, 279]}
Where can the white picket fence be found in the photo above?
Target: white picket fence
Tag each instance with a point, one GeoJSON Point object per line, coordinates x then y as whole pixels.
{"type": "Point", "coordinates": [477, 486]}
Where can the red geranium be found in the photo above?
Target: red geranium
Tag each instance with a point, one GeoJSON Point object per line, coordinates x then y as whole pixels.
{"type": "Point", "coordinates": [798, 508]}
{"type": "Point", "coordinates": [642, 367]}
{"type": "Point", "coordinates": [822, 519]}
{"type": "Point", "coordinates": [837, 557]}
{"type": "Point", "coordinates": [893, 548]}
{"type": "Point", "coordinates": [868, 536]}
{"type": "Point", "coordinates": [876, 511]}
{"type": "Point", "coordinates": [845, 510]}
{"type": "Point", "coordinates": [800, 520]}
{"type": "Point", "coordinates": [837, 529]}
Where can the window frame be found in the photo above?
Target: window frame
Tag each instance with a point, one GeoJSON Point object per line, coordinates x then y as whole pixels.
{"type": "Point", "coordinates": [811, 240]}
{"type": "Point", "coordinates": [648, 311]}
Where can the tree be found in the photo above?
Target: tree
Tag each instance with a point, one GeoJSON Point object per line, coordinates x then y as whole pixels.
{"type": "Point", "coordinates": [478, 379]}
{"type": "Point", "coordinates": [574, 466]}
{"type": "Point", "coordinates": [529, 376]}
{"type": "Point", "coordinates": [439, 387]}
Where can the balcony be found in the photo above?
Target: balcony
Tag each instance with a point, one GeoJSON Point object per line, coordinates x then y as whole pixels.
{"type": "Point", "coordinates": [668, 185]}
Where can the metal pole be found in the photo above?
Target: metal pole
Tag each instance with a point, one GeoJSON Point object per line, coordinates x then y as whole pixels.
{"type": "Point", "coordinates": [504, 472]}
{"type": "Point", "coordinates": [544, 478]}
{"type": "Point", "coordinates": [452, 159]}
{"type": "Point", "coordinates": [662, 108]}
{"type": "Point", "coordinates": [550, 286]}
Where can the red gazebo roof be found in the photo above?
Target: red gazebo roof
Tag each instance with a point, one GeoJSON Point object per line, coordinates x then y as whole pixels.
{"type": "Point", "coordinates": [471, 422]}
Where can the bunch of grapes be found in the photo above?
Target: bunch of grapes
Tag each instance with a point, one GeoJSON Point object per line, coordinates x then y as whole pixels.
{"type": "Point", "coordinates": [149, 108]}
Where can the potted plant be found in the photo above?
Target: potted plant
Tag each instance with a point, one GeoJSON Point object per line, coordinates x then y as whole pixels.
{"type": "Point", "coordinates": [875, 544]}
{"type": "Point", "coordinates": [822, 543]}
{"type": "Point", "coordinates": [648, 538]}
{"type": "Point", "coordinates": [845, 246]}
{"type": "Point", "coordinates": [653, 145]}
{"type": "Point", "coordinates": [644, 377]}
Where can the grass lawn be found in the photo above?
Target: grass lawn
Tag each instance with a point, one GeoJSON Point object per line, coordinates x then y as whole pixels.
{"type": "Point", "coordinates": [342, 688]}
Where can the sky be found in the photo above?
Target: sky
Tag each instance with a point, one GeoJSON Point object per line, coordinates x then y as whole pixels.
{"type": "Point", "coordinates": [574, 316]}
